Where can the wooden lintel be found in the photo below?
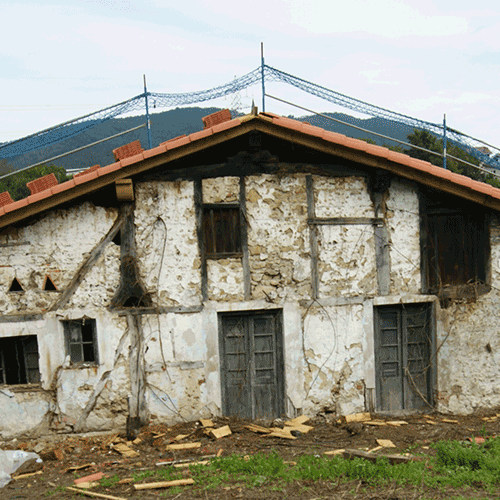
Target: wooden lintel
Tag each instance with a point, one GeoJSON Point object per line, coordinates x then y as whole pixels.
{"type": "Point", "coordinates": [345, 221]}
{"type": "Point", "coordinates": [20, 318]}
{"type": "Point", "coordinates": [140, 311]}
{"type": "Point", "coordinates": [124, 190]}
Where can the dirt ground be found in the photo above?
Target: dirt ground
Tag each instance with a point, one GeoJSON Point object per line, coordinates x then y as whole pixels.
{"type": "Point", "coordinates": [98, 453]}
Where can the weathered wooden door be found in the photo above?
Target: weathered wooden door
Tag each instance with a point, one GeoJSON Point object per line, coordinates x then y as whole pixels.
{"type": "Point", "coordinates": [403, 345]}
{"type": "Point", "coordinates": [251, 353]}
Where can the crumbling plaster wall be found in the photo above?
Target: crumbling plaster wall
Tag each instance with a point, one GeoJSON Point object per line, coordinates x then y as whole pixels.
{"type": "Point", "coordinates": [175, 358]}
{"type": "Point", "coordinates": [403, 224]}
{"type": "Point", "coordinates": [56, 246]}
{"type": "Point", "coordinates": [333, 345]}
{"type": "Point", "coordinates": [346, 252]}
{"type": "Point", "coordinates": [167, 245]}
{"type": "Point", "coordinates": [94, 396]}
{"type": "Point", "coordinates": [278, 237]}
{"type": "Point", "coordinates": [469, 344]}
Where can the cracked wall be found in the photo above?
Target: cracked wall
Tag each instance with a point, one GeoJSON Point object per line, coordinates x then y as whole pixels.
{"type": "Point", "coordinates": [328, 343]}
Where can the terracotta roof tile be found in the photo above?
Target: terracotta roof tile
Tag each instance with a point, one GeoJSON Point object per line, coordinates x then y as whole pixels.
{"type": "Point", "coordinates": [133, 153]}
{"type": "Point", "coordinates": [16, 205]}
{"type": "Point", "coordinates": [42, 183]}
{"type": "Point", "coordinates": [128, 150]}
{"type": "Point", "coordinates": [226, 126]}
{"type": "Point", "coordinates": [155, 151]}
{"type": "Point", "coordinates": [85, 172]}
{"type": "Point", "coordinates": [110, 168]}
{"type": "Point", "coordinates": [179, 141]}
{"type": "Point", "coordinates": [5, 199]}
{"type": "Point", "coordinates": [64, 186]}
{"type": "Point", "coordinates": [215, 118]}
{"type": "Point", "coordinates": [173, 139]}
{"type": "Point", "coordinates": [85, 178]}
{"type": "Point", "coordinates": [39, 196]}
{"type": "Point", "coordinates": [201, 134]}
{"type": "Point", "coordinates": [131, 159]}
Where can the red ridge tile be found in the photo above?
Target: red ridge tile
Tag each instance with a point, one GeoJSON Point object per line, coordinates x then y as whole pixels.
{"type": "Point", "coordinates": [85, 172]}
{"type": "Point", "coordinates": [5, 199]}
{"type": "Point", "coordinates": [216, 118]}
{"type": "Point", "coordinates": [42, 183]}
{"type": "Point", "coordinates": [128, 150]}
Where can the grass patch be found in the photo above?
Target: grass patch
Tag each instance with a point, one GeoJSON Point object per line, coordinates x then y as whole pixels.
{"type": "Point", "coordinates": [455, 465]}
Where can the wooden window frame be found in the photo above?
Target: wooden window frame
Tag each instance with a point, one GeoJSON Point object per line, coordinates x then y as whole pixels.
{"type": "Point", "coordinates": [220, 246]}
{"type": "Point", "coordinates": [79, 345]}
{"type": "Point", "coordinates": [28, 368]}
{"type": "Point", "coordinates": [472, 257]}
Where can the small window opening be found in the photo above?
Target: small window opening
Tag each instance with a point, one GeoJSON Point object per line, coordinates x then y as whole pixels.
{"type": "Point", "coordinates": [135, 302]}
{"type": "Point", "coordinates": [117, 240]}
{"type": "Point", "coordinates": [15, 286]}
{"type": "Point", "coordinates": [81, 340]}
{"type": "Point", "coordinates": [19, 360]}
{"type": "Point", "coordinates": [49, 286]}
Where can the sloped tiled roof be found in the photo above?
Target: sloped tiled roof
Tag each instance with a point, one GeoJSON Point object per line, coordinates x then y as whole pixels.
{"type": "Point", "coordinates": [274, 125]}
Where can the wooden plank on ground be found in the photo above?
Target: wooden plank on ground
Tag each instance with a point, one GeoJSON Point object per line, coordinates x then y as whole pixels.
{"type": "Point", "coordinates": [334, 452]}
{"type": "Point", "coordinates": [124, 450]}
{"type": "Point", "coordinates": [357, 417]}
{"type": "Point", "coordinates": [220, 432]}
{"type": "Point", "coordinates": [184, 446]}
{"type": "Point", "coordinates": [205, 422]}
{"type": "Point", "coordinates": [164, 484]}
{"type": "Point", "coordinates": [94, 494]}
{"type": "Point", "coordinates": [257, 429]}
{"type": "Point", "coordinates": [281, 433]}
{"type": "Point", "coordinates": [393, 459]}
{"type": "Point", "coordinates": [386, 443]}
{"type": "Point", "coordinates": [302, 419]}
{"type": "Point", "coordinates": [396, 423]}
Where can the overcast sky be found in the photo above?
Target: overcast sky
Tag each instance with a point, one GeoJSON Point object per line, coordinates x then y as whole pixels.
{"type": "Point", "coordinates": [422, 58]}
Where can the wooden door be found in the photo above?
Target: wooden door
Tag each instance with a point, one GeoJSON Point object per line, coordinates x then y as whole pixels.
{"type": "Point", "coordinates": [251, 348]}
{"type": "Point", "coordinates": [403, 345]}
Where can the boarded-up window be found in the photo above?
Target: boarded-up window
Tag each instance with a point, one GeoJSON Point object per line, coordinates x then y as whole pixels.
{"type": "Point", "coordinates": [456, 244]}
{"type": "Point", "coordinates": [222, 230]}
{"type": "Point", "coordinates": [81, 340]}
{"type": "Point", "coordinates": [19, 360]}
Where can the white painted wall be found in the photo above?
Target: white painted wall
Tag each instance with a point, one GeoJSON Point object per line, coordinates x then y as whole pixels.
{"type": "Point", "coordinates": [328, 343]}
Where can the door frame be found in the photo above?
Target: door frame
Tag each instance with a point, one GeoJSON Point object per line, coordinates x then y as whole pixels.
{"type": "Point", "coordinates": [432, 381]}
{"type": "Point", "coordinates": [280, 356]}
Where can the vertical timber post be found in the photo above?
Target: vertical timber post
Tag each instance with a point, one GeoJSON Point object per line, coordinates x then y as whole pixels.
{"type": "Point", "coordinates": [313, 237]}
{"type": "Point", "coordinates": [137, 416]}
{"type": "Point", "coordinates": [444, 141]}
{"type": "Point", "coordinates": [148, 123]}
{"type": "Point", "coordinates": [262, 76]}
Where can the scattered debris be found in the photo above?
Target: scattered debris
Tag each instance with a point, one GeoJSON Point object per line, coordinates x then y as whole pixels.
{"type": "Point", "coordinates": [257, 429]}
{"type": "Point", "coordinates": [205, 422]}
{"type": "Point", "coordinates": [220, 432]}
{"type": "Point", "coordinates": [124, 450]}
{"type": "Point", "coordinates": [75, 468]}
{"type": "Point", "coordinates": [88, 479]}
{"type": "Point", "coordinates": [358, 417]}
{"type": "Point", "coordinates": [386, 443]}
{"type": "Point", "coordinates": [297, 421]}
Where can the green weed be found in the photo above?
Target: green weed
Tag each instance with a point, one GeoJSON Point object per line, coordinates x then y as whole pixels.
{"type": "Point", "coordinates": [108, 482]}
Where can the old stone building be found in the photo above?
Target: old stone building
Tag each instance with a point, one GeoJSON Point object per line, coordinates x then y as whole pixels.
{"type": "Point", "coordinates": [259, 267]}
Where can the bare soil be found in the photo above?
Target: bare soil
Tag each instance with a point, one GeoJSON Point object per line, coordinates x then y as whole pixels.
{"type": "Point", "coordinates": [63, 452]}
